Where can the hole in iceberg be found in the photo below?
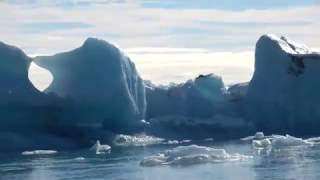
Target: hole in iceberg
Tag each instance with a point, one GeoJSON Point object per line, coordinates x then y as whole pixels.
{"type": "Point", "coordinates": [39, 77]}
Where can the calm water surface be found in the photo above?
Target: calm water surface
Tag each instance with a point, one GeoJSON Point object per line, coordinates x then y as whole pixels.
{"type": "Point", "coordinates": [302, 162]}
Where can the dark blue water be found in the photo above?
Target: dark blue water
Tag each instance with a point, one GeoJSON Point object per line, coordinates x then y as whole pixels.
{"type": "Point", "coordinates": [299, 162]}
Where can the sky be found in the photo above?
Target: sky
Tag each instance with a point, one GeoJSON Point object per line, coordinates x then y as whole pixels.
{"type": "Point", "coordinates": [182, 38]}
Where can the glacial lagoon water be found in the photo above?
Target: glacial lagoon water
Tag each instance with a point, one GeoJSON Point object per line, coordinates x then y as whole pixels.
{"type": "Point", "coordinates": [124, 162]}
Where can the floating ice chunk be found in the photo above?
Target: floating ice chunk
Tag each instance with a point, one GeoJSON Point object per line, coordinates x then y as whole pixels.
{"type": "Point", "coordinates": [101, 148]}
{"type": "Point", "coordinates": [264, 143]}
{"type": "Point", "coordinates": [257, 136]}
{"type": "Point", "coordinates": [192, 154]}
{"type": "Point", "coordinates": [287, 140]}
{"type": "Point", "coordinates": [79, 158]}
{"type": "Point", "coordinates": [185, 141]}
{"type": "Point", "coordinates": [208, 139]}
{"type": "Point", "coordinates": [314, 140]}
{"type": "Point", "coordinates": [39, 152]}
{"type": "Point", "coordinates": [137, 140]}
{"type": "Point", "coordinates": [173, 142]}
{"type": "Point", "coordinates": [145, 122]}
{"type": "Point", "coordinates": [170, 142]}
{"type": "Point", "coordinates": [158, 160]}
{"type": "Point", "coordinates": [277, 141]}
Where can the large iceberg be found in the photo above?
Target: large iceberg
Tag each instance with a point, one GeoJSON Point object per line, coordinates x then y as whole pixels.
{"type": "Point", "coordinates": [200, 97]}
{"type": "Point", "coordinates": [15, 84]}
{"type": "Point", "coordinates": [97, 93]}
{"type": "Point", "coordinates": [283, 93]}
{"type": "Point", "coordinates": [102, 84]}
{"type": "Point", "coordinates": [22, 107]}
{"type": "Point", "coordinates": [196, 109]}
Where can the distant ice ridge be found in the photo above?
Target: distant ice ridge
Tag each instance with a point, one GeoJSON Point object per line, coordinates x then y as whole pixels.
{"type": "Point", "coordinates": [198, 108]}
{"type": "Point", "coordinates": [39, 152]}
{"type": "Point", "coordinates": [192, 154]}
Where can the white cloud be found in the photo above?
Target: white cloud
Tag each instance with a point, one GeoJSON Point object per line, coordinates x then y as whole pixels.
{"type": "Point", "coordinates": [130, 25]}
{"type": "Point", "coordinates": [169, 32]}
{"type": "Point", "coordinates": [163, 68]}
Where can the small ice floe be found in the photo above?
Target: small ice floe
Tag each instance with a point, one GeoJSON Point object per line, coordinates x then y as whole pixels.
{"type": "Point", "coordinates": [190, 155]}
{"type": "Point", "coordinates": [172, 142]}
{"type": "Point", "coordinates": [101, 148]}
{"type": "Point", "coordinates": [277, 141]}
{"type": "Point", "coordinates": [257, 136]}
{"type": "Point", "coordinates": [39, 152]}
{"type": "Point", "coordinates": [185, 141]}
{"type": "Point", "coordinates": [79, 158]}
{"type": "Point", "coordinates": [208, 139]}
{"type": "Point", "coordinates": [145, 122]}
{"type": "Point", "coordinates": [136, 140]}
{"type": "Point", "coordinates": [314, 140]}
{"type": "Point", "coordinates": [260, 141]}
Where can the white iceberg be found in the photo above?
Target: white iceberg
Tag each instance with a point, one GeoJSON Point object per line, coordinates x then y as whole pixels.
{"type": "Point", "coordinates": [102, 84]}
{"type": "Point", "coordinates": [282, 95]}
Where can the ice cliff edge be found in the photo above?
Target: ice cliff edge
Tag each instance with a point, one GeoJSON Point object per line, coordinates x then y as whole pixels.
{"type": "Point", "coordinates": [283, 94]}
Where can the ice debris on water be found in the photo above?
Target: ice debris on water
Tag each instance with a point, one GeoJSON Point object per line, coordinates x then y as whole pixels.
{"type": "Point", "coordinates": [278, 141]}
{"type": "Point", "coordinates": [100, 148]}
{"type": "Point", "coordinates": [136, 140]}
{"type": "Point", "coordinates": [79, 158]}
{"type": "Point", "coordinates": [39, 152]}
{"type": "Point", "coordinates": [192, 154]}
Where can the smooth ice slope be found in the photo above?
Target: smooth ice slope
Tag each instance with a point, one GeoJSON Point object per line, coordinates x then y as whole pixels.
{"type": "Point", "coordinates": [103, 84]}
{"type": "Point", "coordinates": [283, 95]}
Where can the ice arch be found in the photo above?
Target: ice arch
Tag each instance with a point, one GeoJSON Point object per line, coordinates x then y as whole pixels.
{"type": "Point", "coordinates": [40, 77]}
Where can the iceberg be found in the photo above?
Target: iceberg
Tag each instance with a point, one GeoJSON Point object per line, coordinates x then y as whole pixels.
{"type": "Point", "coordinates": [97, 93]}
{"type": "Point", "coordinates": [200, 97]}
{"type": "Point", "coordinates": [102, 85]}
{"type": "Point", "coordinates": [201, 106]}
{"type": "Point", "coordinates": [282, 95]}
{"type": "Point", "coordinates": [24, 110]}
